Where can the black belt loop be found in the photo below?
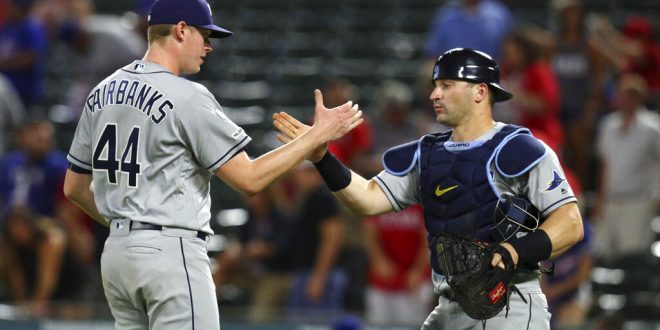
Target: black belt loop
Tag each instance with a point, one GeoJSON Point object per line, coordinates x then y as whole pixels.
{"type": "Point", "coordinates": [137, 225]}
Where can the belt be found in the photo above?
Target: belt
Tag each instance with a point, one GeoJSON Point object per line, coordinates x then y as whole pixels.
{"type": "Point", "coordinates": [136, 225]}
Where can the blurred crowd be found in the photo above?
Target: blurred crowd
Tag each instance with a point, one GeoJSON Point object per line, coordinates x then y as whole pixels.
{"type": "Point", "coordinates": [587, 87]}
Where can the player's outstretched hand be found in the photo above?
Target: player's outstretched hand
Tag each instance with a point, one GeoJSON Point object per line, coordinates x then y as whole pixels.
{"type": "Point", "coordinates": [291, 128]}
{"type": "Point", "coordinates": [334, 123]}
{"type": "Point", "coordinates": [331, 124]}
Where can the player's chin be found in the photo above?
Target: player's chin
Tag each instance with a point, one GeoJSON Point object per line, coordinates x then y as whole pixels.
{"type": "Point", "coordinates": [193, 70]}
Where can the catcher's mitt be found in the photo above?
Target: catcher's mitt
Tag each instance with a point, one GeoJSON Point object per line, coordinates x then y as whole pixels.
{"type": "Point", "coordinates": [481, 290]}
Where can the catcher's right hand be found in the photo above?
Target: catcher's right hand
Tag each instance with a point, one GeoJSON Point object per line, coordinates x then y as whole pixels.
{"type": "Point", "coordinates": [498, 260]}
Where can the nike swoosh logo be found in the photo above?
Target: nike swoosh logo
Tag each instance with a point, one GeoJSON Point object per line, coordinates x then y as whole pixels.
{"type": "Point", "coordinates": [439, 192]}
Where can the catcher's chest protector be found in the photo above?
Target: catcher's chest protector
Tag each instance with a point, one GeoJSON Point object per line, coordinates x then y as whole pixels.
{"type": "Point", "coordinates": [455, 191]}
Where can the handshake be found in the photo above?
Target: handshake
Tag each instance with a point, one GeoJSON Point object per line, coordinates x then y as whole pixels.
{"type": "Point", "coordinates": [329, 125]}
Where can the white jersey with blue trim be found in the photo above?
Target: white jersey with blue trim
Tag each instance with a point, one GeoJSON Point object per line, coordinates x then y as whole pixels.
{"type": "Point", "coordinates": [152, 141]}
{"type": "Point", "coordinates": [544, 184]}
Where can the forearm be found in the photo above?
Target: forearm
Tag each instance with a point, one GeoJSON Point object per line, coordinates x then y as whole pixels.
{"type": "Point", "coordinates": [329, 247]}
{"type": "Point", "coordinates": [49, 266]}
{"type": "Point", "coordinates": [373, 247]}
{"type": "Point", "coordinates": [85, 201]}
{"type": "Point", "coordinates": [250, 176]}
{"type": "Point", "coordinates": [564, 228]}
{"type": "Point", "coordinates": [78, 189]}
{"type": "Point", "coordinates": [364, 197]}
{"type": "Point", "coordinates": [278, 162]}
{"type": "Point", "coordinates": [81, 241]}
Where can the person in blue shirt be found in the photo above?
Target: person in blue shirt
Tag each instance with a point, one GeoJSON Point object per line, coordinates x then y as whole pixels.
{"type": "Point", "coordinates": [33, 175]}
{"type": "Point", "coordinates": [476, 24]}
{"type": "Point", "coordinates": [23, 46]}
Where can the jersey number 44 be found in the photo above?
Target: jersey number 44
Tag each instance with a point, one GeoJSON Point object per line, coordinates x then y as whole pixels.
{"type": "Point", "coordinates": [105, 155]}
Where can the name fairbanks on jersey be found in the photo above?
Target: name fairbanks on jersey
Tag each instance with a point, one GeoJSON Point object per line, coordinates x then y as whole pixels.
{"type": "Point", "coordinates": [135, 94]}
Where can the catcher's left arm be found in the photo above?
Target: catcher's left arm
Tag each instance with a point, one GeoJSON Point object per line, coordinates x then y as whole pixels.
{"type": "Point", "coordinates": [563, 228]}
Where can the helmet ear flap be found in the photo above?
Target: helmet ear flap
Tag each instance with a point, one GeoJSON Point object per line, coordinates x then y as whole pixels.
{"type": "Point", "coordinates": [514, 214]}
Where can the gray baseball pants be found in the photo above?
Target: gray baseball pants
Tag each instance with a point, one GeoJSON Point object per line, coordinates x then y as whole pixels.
{"type": "Point", "coordinates": [158, 279]}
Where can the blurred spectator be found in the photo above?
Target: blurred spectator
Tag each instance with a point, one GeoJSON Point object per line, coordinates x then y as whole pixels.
{"type": "Point", "coordinates": [476, 24]}
{"type": "Point", "coordinates": [90, 41]}
{"type": "Point", "coordinates": [354, 147]}
{"type": "Point", "coordinates": [567, 288]}
{"type": "Point", "coordinates": [4, 8]}
{"type": "Point", "coordinates": [647, 63]}
{"type": "Point", "coordinates": [23, 47]}
{"type": "Point", "coordinates": [628, 147]}
{"type": "Point", "coordinates": [41, 272]}
{"type": "Point", "coordinates": [12, 113]}
{"type": "Point", "coordinates": [400, 290]}
{"type": "Point", "coordinates": [580, 71]}
{"type": "Point", "coordinates": [32, 175]}
{"type": "Point", "coordinates": [54, 14]}
{"type": "Point", "coordinates": [393, 123]}
{"type": "Point", "coordinates": [263, 244]}
{"type": "Point", "coordinates": [528, 75]}
{"type": "Point", "coordinates": [632, 50]}
{"type": "Point", "coordinates": [142, 10]}
{"type": "Point", "coordinates": [317, 237]}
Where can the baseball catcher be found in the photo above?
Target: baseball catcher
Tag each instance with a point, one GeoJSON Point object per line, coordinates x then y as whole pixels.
{"type": "Point", "coordinates": [480, 185]}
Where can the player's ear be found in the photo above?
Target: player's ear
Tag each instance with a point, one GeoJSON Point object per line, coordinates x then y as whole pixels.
{"type": "Point", "coordinates": [180, 30]}
{"type": "Point", "coordinates": [481, 92]}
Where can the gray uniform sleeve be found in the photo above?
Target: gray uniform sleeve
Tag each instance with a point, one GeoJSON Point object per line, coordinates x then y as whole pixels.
{"type": "Point", "coordinates": [401, 191]}
{"type": "Point", "coordinates": [547, 187]}
{"type": "Point", "coordinates": [80, 153]}
{"type": "Point", "coordinates": [213, 138]}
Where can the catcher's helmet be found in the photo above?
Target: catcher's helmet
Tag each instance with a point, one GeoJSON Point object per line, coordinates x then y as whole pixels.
{"type": "Point", "coordinates": [470, 65]}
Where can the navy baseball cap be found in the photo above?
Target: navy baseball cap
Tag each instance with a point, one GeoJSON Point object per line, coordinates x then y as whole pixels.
{"type": "Point", "coordinates": [193, 12]}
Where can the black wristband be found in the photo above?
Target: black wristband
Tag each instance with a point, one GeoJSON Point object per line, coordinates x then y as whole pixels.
{"type": "Point", "coordinates": [334, 173]}
{"type": "Point", "coordinates": [533, 247]}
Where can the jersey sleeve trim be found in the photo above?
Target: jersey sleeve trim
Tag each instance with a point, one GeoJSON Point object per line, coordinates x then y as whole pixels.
{"type": "Point", "coordinates": [136, 72]}
{"type": "Point", "coordinates": [397, 206]}
{"type": "Point", "coordinates": [79, 163]}
{"type": "Point", "coordinates": [78, 169]}
{"type": "Point", "coordinates": [229, 154]}
{"type": "Point", "coordinates": [557, 204]}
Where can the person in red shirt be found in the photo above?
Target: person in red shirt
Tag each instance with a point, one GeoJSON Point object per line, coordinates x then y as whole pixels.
{"type": "Point", "coordinates": [646, 62]}
{"type": "Point", "coordinates": [530, 78]}
{"type": "Point", "coordinates": [399, 277]}
{"type": "Point", "coordinates": [354, 147]}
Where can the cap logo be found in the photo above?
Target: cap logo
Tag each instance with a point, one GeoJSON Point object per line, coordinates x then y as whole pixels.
{"type": "Point", "coordinates": [209, 6]}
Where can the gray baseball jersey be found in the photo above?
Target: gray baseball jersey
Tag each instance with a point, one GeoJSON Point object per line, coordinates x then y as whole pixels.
{"type": "Point", "coordinates": [403, 191]}
{"type": "Point", "coordinates": [144, 127]}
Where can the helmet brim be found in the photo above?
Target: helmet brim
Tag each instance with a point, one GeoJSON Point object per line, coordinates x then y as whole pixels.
{"type": "Point", "coordinates": [501, 94]}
